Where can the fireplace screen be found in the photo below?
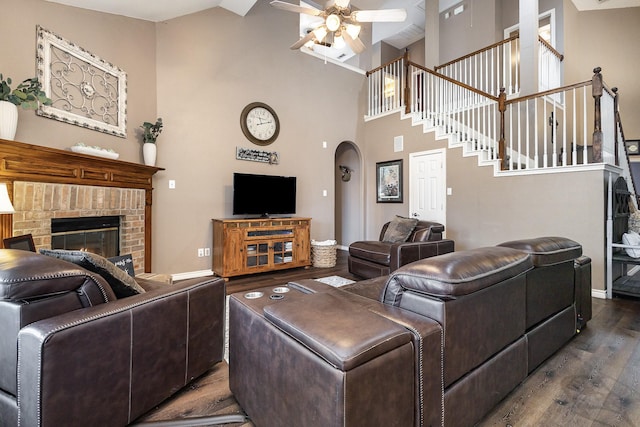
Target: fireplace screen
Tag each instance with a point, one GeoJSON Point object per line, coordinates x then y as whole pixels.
{"type": "Point", "coordinates": [99, 235]}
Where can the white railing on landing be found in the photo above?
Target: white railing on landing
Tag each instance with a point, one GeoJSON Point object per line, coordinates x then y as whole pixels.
{"type": "Point", "coordinates": [498, 66]}
{"type": "Point", "coordinates": [386, 88]}
{"type": "Point", "coordinates": [489, 69]}
{"type": "Point", "coordinates": [549, 129]}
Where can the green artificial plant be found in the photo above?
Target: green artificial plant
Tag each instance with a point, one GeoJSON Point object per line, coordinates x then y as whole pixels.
{"type": "Point", "coordinates": [28, 94]}
{"type": "Point", "coordinates": [151, 131]}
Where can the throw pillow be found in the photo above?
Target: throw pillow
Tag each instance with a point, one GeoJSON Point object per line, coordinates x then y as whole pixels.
{"type": "Point", "coordinates": [633, 239]}
{"type": "Point", "coordinates": [121, 283]}
{"type": "Point", "coordinates": [399, 229]}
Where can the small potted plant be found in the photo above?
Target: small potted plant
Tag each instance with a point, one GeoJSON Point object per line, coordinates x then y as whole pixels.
{"type": "Point", "coordinates": [28, 94]}
{"type": "Point", "coordinates": [150, 132]}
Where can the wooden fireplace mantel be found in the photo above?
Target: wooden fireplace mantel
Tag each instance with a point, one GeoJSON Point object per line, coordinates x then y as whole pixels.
{"type": "Point", "coordinates": [33, 163]}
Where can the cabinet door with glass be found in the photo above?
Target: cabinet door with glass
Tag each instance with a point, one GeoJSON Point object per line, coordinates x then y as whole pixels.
{"type": "Point", "coordinates": [282, 252]}
{"type": "Point", "coordinates": [257, 254]}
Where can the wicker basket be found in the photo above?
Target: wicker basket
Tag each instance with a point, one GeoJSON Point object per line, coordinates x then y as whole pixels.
{"type": "Point", "coordinates": [323, 254]}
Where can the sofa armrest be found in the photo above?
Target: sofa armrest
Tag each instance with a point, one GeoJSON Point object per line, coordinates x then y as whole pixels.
{"type": "Point", "coordinates": [405, 253]}
{"type": "Point", "coordinates": [109, 364]}
{"type": "Point", "coordinates": [427, 231]}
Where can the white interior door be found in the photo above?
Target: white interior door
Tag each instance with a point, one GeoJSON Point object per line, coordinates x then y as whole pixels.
{"type": "Point", "coordinates": [427, 181]}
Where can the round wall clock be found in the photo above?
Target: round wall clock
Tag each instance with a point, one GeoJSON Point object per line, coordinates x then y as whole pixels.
{"type": "Point", "coordinates": [259, 123]}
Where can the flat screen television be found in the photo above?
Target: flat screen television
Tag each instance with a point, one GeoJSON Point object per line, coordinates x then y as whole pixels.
{"type": "Point", "coordinates": [263, 195]}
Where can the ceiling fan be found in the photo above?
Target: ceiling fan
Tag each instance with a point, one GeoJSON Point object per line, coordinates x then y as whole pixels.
{"type": "Point", "coordinates": [340, 22]}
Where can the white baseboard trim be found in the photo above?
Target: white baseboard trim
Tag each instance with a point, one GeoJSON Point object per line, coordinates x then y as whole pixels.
{"type": "Point", "coordinates": [597, 293]}
{"type": "Point", "coordinates": [191, 275]}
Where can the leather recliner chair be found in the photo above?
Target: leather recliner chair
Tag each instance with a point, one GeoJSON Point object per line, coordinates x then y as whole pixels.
{"type": "Point", "coordinates": [71, 354]}
{"type": "Point", "coordinates": [375, 258]}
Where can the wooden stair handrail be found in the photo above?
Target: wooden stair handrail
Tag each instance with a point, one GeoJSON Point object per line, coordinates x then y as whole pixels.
{"type": "Point", "coordinates": [469, 55]}
{"type": "Point", "coordinates": [551, 48]}
{"type": "Point", "coordinates": [454, 81]}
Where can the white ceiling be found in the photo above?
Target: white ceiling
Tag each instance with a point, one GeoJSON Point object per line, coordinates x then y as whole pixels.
{"type": "Point", "coordinates": [158, 10]}
{"type": "Point", "coordinates": [161, 10]}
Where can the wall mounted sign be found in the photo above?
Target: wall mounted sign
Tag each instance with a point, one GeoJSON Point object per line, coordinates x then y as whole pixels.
{"type": "Point", "coordinates": [86, 90]}
{"type": "Point", "coordinates": [253, 155]}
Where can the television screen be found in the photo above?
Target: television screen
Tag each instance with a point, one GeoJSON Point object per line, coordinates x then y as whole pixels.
{"type": "Point", "coordinates": [263, 194]}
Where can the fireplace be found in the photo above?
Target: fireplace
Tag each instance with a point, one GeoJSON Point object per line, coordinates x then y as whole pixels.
{"type": "Point", "coordinates": [98, 234]}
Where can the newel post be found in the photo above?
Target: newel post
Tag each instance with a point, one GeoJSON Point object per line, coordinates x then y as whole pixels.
{"type": "Point", "coordinates": [407, 84]}
{"type": "Point", "coordinates": [616, 118]}
{"type": "Point", "coordinates": [596, 90]}
{"type": "Point", "coordinates": [502, 107]}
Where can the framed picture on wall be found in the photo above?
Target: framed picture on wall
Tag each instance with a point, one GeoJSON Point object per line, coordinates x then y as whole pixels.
{"type": "Point", "coordinates": [633, 146]}
{"type": "Point", "coordinates": [389, 182]}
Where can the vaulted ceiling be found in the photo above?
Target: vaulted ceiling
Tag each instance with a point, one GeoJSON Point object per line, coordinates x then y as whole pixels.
{"type": "Point", "coordinates": [160, 10]}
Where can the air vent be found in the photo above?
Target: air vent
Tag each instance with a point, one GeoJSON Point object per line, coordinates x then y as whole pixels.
{"type": "Point", "coordinates": [408, 35]}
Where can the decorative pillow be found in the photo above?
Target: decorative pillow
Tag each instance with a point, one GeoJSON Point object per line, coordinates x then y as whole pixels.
{"type": "Point", "coordinates": [399, 229]}
{"type": "Point", "coordinates": [632, 238]}
{"type": "Point", "coordinates": [121, 283]}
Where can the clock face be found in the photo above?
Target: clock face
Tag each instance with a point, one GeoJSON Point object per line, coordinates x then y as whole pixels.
{"type": "Point", "coordinates": [259, 123]}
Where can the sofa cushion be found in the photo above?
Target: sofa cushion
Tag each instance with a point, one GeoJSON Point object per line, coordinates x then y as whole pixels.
{"type": "Point", "coordinates": [121, 283]}
{"type": "Point", "coordinates": [378, 252]}
{"type": "Point", "coordinates": [399, 229]}
{"type": "Point", "coordinates": [547, 250]}
{"type": "Point", "coordinates": [457, 273]}
{"type": "Point", "coordinates": [370, 335]}
{"type": "Point", "coordinates": [26, 275]}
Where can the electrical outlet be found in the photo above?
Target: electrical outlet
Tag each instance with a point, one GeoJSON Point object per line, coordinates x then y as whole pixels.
{"type": "Point", "coordinates": [207, 251]}
{"type": "Point", "coordinates": [200, 252]}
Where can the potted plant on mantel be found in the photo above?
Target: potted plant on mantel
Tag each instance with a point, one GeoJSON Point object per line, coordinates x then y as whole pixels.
{"type": "Point", "coordinates": [28, 94]}
{"type": "Point", "coordinates": [150, 132]}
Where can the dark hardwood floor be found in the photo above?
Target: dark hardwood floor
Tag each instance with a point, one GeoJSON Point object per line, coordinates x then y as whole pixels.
{"type": "Point", "coordinates": [594, 380]}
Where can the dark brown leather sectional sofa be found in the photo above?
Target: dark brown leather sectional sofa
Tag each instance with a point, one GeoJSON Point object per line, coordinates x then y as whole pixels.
{"type": "Point", "coordinates": [441, 343]}
{"type": "Point", "coordinates": [73, 355]}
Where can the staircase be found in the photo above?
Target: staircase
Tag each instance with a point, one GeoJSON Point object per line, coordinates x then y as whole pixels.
{"type": "Point", "coordinates": [561, 130]}
{"type": "Point", "coordinates": [564, 128]}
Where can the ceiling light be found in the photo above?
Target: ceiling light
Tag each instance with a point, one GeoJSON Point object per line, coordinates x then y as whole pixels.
{"type": "Point", "coordinates": [333, 22]}
{"type": "Point", "coordinates": [320, 33]}
{"type": "Point", "coordinates": [353, 30]}
{"type": "Point", "coordinates": [338, 42]}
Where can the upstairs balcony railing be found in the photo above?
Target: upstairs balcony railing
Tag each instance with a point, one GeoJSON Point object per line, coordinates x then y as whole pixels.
{"type": "Point", "coordinates": [498, 66]}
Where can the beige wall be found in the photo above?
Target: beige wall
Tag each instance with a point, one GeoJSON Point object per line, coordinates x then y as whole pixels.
{"type": "Point", "coordinates": [607, 39]}
{"type": "Point", "coordinates": [212, 64]}
{"type": "Point", "coordinates": [125, 42]}
{"type": "Point", "coordinates": [484, 210]}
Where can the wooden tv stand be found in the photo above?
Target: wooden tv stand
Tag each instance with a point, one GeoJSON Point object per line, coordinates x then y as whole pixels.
{"type": "Point", "coordinates": [247, 246]}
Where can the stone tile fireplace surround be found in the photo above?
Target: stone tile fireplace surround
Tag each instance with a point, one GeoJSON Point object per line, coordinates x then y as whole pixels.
{"type": "Point", "coordinates": [36, 203]}
{"type": "Point", "coordinates": [47, 183]}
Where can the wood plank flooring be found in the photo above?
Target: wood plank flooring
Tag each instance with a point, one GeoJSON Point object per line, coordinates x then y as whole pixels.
{"type": "Point", "coordinates": [594, 380]}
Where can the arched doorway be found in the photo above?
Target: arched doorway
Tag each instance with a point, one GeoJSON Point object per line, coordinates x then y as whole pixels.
{"type": "Point", "coordinates": [349, 207]}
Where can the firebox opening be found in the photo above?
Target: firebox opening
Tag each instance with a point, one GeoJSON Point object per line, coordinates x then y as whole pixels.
{"type": "Point", "coordinates": [98, 234]}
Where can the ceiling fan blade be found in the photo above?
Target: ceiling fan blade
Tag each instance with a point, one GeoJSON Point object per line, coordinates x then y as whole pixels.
{"type": "Point", "coordinates": [295, 8]}
{"type": "Point", "coordinates": [384, 15]}
{"type": "Point", "coordinates": [356, 44]}
{"type": "Point", "coordinates": [341, 3]}
{"type": "Point", "coordinates": [302, 41]}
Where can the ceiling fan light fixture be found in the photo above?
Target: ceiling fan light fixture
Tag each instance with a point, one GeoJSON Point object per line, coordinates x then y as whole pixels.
{"type": "Point", "coordinates": [320, 33]}
{"type": "Point", "coordinates": [333, 22]}
{"type": "Point", "coordinates": [353, 30]}
{"type": "Point", "coordinates": [338, 42]}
